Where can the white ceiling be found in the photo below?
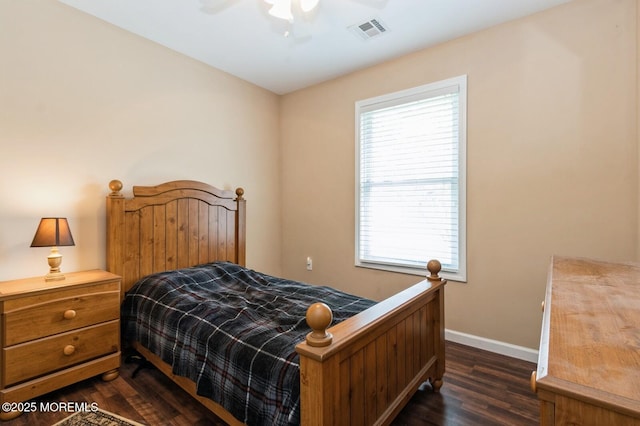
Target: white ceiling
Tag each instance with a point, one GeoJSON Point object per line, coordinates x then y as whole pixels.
{"type": "Point", "coordinates": [241, 38]}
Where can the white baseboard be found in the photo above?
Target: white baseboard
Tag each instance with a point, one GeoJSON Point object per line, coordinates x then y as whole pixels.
{"type": "Point", "coordinates": [514, 351]}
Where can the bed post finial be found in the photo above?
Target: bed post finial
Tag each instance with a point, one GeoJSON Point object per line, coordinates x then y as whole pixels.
{"type": "Point", "coordinates": [239, 193]}
{"type": "Point", "coordinates": [319, 317]}
{"type": "Point", "coordinates": [115, 186]}
{"type": "Point", "coordinates": [434, 266]}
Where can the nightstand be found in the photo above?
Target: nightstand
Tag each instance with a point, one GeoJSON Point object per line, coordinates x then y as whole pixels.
{"type": "Point", "coordinates": [57, 333]}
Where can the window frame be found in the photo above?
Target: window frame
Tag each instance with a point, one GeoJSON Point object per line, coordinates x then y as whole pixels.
{"type": "Point", "coordinates": [398, 98]}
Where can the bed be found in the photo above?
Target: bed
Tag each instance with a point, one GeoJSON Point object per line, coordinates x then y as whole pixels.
{"type": "Point", "coordinates": [361, 370]}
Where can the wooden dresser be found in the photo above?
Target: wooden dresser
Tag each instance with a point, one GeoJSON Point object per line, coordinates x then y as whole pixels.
{"type": "Point", "coordinates": [589, 361]}
{"type": "Point", "coordinates": [57, 333]}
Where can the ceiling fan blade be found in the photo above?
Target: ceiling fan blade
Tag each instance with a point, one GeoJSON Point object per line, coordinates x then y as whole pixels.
{"type": "Point", "coordinates": [215, 6]}
{"type": "Point", "coordinates": [378, 4]}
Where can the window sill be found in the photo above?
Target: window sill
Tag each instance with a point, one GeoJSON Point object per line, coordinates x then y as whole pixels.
{"type": "Point", "coordinates": [449, 275]}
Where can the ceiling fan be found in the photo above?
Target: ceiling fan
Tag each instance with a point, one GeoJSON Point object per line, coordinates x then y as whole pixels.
{"type": "Point", "coordinates": [293, 17]}
{"type": "Point", "coordinates": [283, 8]}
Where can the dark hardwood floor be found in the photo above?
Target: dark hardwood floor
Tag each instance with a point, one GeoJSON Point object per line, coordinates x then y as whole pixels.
{"type": "Point", "coordinates": [480, 388]}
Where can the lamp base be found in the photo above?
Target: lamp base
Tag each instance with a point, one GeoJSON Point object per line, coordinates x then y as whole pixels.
{"type": "Point", "coordinates": [54, 276]}
{"type": "Point", "coordinates": [54, 259]}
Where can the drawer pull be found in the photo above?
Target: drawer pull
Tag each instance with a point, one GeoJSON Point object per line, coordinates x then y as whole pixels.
{"type": "Point", "coordinates": [534, 384]}
{"type": "Point", "coordinates": [542, 306]}
{"type": "Point", "coordinates": [69, 350]}
{"type": "Point", "coordinates": [69, 314]}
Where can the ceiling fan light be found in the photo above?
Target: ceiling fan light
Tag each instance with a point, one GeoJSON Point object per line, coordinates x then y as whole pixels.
{"type": "Point", "coordinates": [308, 5]}
{"type": "Point", "coordinates": [281, 9]}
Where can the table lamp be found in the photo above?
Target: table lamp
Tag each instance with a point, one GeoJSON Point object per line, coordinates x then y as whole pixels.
{"type": "Point", "coordinates": [53, 232]}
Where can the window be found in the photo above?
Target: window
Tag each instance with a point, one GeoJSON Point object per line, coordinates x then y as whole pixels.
{"type": "Point", "coordinates": [410, 178]}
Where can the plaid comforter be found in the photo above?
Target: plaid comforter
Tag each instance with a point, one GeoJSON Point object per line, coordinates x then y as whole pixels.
{"type": "Point", "coordinates": [233, 332]}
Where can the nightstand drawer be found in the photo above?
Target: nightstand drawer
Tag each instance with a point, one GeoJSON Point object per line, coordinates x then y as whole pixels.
{"type": "Point", "coordinates": [42, 356]}
{"type": "Point", "coordinates": [60, 315]}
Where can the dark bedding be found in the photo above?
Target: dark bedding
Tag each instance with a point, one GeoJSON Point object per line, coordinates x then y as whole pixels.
{"type": "Point", "coordinates": [232, 331]}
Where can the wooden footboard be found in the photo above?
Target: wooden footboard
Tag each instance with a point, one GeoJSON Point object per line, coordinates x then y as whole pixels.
{"type": "Point", "coordinates": [376, 360]}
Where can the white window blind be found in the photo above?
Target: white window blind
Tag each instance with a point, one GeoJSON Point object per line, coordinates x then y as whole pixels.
{"type": "Point", "coordinates": [410, 179]}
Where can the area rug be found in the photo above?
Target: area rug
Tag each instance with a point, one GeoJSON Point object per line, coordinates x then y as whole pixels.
{"type": "Point", "coordinates": [96, 418]}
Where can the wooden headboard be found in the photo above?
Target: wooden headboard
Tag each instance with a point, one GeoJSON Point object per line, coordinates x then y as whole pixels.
{"type": "Point", "coordinates": [173, 225]}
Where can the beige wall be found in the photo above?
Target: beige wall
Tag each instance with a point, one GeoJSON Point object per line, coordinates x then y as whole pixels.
{"type": "Point", "coordinates": [552, 161]}
{"type": "Point", "coordinates": [82, 102]}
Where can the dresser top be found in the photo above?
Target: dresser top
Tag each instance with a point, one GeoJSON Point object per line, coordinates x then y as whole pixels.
{"type": "Point", "coordinates": [17, 288]}
{"type": "Point", "coordinates": [590, 344]}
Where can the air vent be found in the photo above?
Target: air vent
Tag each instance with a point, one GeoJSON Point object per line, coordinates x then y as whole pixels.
{"type": "Point", "coordinates": [369, 29]}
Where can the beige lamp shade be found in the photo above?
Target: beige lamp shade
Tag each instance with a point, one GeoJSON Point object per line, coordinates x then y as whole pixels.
{"type": "Point", "coordinates": [53, 232]}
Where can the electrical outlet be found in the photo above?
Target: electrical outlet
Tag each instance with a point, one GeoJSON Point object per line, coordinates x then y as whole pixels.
{"type": "Point", "coordinates": [309, 263]}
